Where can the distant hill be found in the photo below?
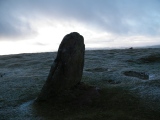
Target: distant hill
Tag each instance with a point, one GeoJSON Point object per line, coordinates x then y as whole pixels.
{"type": "Point", "coordinates": [154, 46]}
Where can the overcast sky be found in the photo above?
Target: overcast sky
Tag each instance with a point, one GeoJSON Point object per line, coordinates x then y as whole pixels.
{"type": "Point", "coordinates": [40, 25]}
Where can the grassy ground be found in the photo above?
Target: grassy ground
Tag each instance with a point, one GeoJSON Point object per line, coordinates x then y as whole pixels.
{"type": "Point", "coordinates": [121, 97]}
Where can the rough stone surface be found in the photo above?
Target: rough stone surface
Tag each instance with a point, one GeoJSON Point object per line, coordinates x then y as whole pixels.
{"type": "Point", "coordinates": [66, 70]}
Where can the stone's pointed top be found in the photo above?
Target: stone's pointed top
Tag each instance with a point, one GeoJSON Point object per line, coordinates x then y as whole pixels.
{"type": "Point", "coordinates": [74, 35]}
{"type": "Point", "coordinates": [72, 38]}
{"type": "Point", "coordinates": [67, 68]}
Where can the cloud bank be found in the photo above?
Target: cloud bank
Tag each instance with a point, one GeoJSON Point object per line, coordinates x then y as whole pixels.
{"type": "Point", "coordinates": [124, 17]}
{"type": "Point", "coordinates": [41, 24]}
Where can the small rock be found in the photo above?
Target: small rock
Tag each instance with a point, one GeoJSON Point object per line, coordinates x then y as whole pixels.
{"type": "Point", "coordinates": [2, 74]}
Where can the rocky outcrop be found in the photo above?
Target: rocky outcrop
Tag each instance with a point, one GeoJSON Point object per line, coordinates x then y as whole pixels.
{"type": "Point", "coordinates": [66, 70]}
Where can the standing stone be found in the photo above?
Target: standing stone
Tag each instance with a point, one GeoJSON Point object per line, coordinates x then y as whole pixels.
{"type": "Point", "coordinates": [66, 70]}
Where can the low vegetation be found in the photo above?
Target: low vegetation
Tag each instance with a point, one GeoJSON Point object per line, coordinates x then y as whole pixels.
{"type": "Point", "coordinates": [120, 96]}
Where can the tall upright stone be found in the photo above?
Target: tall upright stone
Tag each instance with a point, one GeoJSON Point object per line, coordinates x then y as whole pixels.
{"type": "Point", "coordinates": [66, 70]}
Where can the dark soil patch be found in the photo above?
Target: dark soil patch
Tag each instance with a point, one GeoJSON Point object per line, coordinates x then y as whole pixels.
{"type": "Point", "coordinates": [140, 75]}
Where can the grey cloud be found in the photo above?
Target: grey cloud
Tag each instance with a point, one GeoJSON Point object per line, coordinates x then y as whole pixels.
{"type": "Point", "coordinates": [11, 26]}
{"type": "Point", "coordinates": [132, 17]}
{"type": "Point", "coordinates": [14, 28]}
{"type": "Point", "coordinates": [123, 17]}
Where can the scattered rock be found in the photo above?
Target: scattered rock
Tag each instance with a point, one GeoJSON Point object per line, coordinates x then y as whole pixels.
{"type": "Point", "coordinates": [131, 48]}
{"type": "Point", "coordinates": [140, 75]}
{"type": "Point", "coordinates": [66, 70]}
{"type": "Point", "coordinates": [2, 74]}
